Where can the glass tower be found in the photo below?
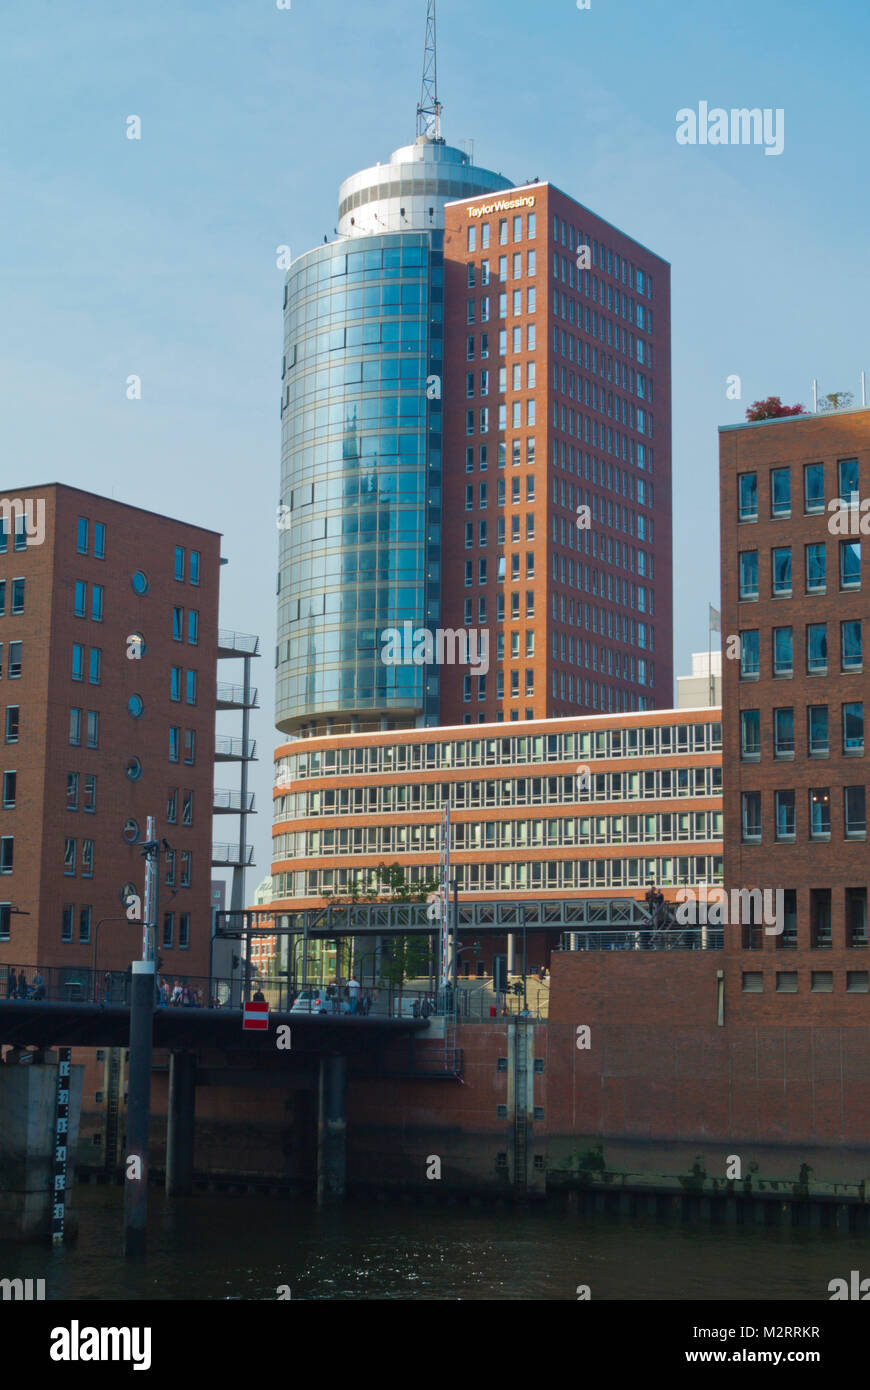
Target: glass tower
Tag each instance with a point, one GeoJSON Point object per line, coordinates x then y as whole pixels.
{"type": "Point", "coordinates": [361, 477]}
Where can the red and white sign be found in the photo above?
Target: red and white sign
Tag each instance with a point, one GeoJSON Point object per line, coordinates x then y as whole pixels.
{"type": "Point", "coordinates": [255, 1017]}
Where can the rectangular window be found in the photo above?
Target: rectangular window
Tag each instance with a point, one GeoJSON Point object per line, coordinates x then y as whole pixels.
{"type": "Point", "coordinates": [7, 854]}
{"type": "Point", "coordinates": [75, 726]}
{"type": "Point", "coordinates": [174, 744]}
{"type": "Point", "coordinates": [185, 868]}
{"type": "Point", "coordinates": [90, 793]}
{"type": "Point", "coordinates": [818, 742]}
{"type": "Point", "coordinates": [817, 649]}
{"type": "Point", "coordinates": [72, 791]}
{"type": "Point", "coordinates": [69, 857]}
{"type": "Point", "coordinates": [93, 739]}
{"type": "Point", "coordinates": [18, 596]}
{"type": "Point", "coordinates": [853, 727]}
{"type": "Point", "coordinates": [820, 813]}
{"type": "Point", "coordinates": [184, 931]}
{"type": "Point", "coordinates": [67, 920]}
{"type": "Point", "coordinates": [9, 781]}
{"type": "Point", "coordinates": [97, 603]}
{"type": "Point", "coordinates": [179, 562]}
{"type": "Point", "coordinates": [99, 541]}
{"type": "Point", "coordinates": [749, 574]}
{"type": "Point", "coordinates": [190, 746]}
{"type": "Point", "coordinates": [175, 683]}
{"type": "Point", "coordinates": [187, 808]}
{"type": "Point", "coordinates": [854, 807]}
{"type": "Point", "coordinates": [847, 479]}
{"type": "Point", "coordinates": [87, 858]}
{"type": "Point", "coordinates": [750, 733]}
{"type": "Point", "coordinates": [781, 572]}
{"type": "Point", "coordinates": [815, 568]}
{"type": "Point", "coordinates": [172, 806]}
{"type": "Point", "coordinates": [14, 660]}
{"type": "Point", "coordinates": [178, 624]}
{"type": "Point", "coordinates": [850, 564]}
{"type": "Point", "coordinates": [82, 536]}
{"type": "Point", "coordinates": [783, 733]}
{"type": "Point", "coordinates": [168, 929]}
{"type": "Point", "coordinates": [749, 660]}
{"type": "Point", "coordinates": [11, 723]}
{"type": "Point", "coordinates": [169, 861]}
{"type": "Point", "coordinates": [814, 487]}
{"type": "Point", "coordinates": [78, 662]}
{"type": "Point", "coordinates": [820, 921]}
{"type": "Point", "coordinates": [785, 815]}
{"type": "Point", "coordinates": [2, 591]}
{"type": "Point", "coordinates": [84, 925]}
{"type": "Point", "coordinates": [751, 815]}
{"type": "Point", "coordinates": [783, 663]}
{"type": "Point", "coordinates": [780, 492]}
{"type": "Point", "coordinates": [94, 665]}
{"type": "Point", "coordinates": [851, 650]}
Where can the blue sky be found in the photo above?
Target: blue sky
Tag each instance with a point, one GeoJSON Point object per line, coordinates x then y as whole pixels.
{"type": "Point", "coordinates": [157, 257]}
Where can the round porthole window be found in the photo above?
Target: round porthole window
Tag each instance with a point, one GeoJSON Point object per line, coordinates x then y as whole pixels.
{"type": "Point", "coordinates": [136, 706]}
{"type": "Point", "coordinates": [140, 582]}
{"type": "Point", "coordinates": [134, 769]}
{"type": "Point", "coordinates": [131, 831]}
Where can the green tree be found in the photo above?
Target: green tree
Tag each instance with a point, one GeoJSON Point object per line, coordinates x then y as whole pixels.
{"type": "Point", "coordinates": [406, 956]}
{"type": "Point", "coordinates": [836, 400]}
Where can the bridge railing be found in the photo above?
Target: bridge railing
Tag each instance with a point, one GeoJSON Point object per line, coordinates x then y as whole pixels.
{"type": "Point", "coordinates": [70, 984]}
{"type": "Point", "coordinates": [646, 939]}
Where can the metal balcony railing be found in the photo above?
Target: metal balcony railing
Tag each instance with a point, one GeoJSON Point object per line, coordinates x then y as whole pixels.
{"type": "Point", "coordinates": [237, 643]}
{"type": "Point", "coordinates": [239, 856]}
{"type": "Point", "coordinates": [233, 697]}
{"type": "Point", "coordinates": [234, 750]}
{"type": "Point", "coordinates": [227, 802]}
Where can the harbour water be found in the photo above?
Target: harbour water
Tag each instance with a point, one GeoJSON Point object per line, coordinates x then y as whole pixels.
{"type": "Point", "coordinates": [214, 1248]}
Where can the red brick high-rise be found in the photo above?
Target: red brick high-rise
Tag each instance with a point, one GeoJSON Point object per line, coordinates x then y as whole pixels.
{"type": "Point", "coordinates": [556, 397]}
{"type": "Point", "coordinates": [96, 740]}
{"type": "Point", "coordinates": [794, 610]}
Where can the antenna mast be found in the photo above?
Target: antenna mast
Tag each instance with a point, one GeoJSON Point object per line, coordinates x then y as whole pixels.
{"type": "Point", "coordinates": [429, 108]}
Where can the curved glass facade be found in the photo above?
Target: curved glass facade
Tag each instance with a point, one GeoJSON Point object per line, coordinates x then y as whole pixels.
{"type": "Point", "coordinates": [360, 522]}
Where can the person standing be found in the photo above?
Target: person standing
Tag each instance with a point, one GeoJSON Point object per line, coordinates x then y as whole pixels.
{"type": "Point", "coordinates": [353, 988]}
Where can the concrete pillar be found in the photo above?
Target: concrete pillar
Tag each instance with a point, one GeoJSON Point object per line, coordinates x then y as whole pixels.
{"type": "Point", "coordinates": [180, 1124]}
{"type": "Point", "coordinates": [28, 1096]}
{"type": "Point", "coordinates": [332, 1130]}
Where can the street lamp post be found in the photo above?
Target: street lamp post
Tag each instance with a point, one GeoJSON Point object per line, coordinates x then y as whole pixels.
{"type": "Point", "coordinates": [133, 921]}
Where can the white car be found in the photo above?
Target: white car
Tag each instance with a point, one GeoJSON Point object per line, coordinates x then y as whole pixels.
{"type": "Point", "coordinates": [316, 1001]}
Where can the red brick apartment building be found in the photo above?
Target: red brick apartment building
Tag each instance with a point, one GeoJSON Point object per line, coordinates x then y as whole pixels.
{"type": "Point", "coordinates": [557, 396]}
{"type": "Point", "coordinates": [95, 741]}
{"type": "Point", "coordinates": [795, 782]}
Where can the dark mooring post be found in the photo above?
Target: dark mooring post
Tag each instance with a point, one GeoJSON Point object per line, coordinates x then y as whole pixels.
{"type": "Point", "coordinates": [138, 1107]}
{"type": "Point", "coordinates": [332, 1130]}
{"type": "Point", "coordinates": [180, 1124]}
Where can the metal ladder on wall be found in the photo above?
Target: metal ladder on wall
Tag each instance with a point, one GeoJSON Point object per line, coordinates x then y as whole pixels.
{"type": "Point", "coordinates": [113, 1086]}
{"type": "Point", "coordinates": [521, 1091]}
